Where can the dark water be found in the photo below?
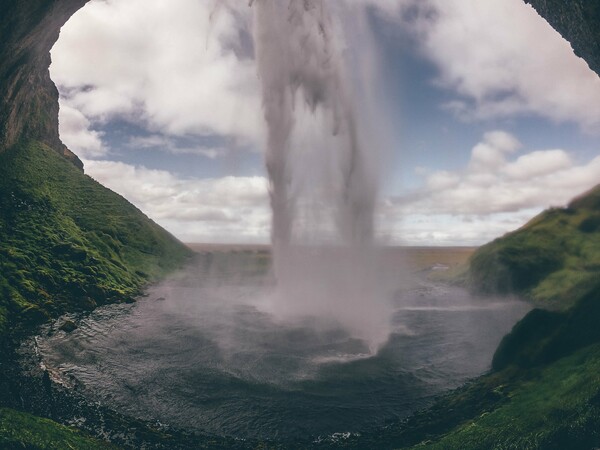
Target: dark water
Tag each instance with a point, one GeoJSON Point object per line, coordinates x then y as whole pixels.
{"type": "Point", "coordinates": [200, 353]}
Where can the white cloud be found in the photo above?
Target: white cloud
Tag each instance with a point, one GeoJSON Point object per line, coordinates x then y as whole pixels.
{"type": "Point", "coordinates": [501, 59]}
{"type": "Point", "coordinates": [170, 68]}
{"type": "Point", "coordinates": [227, 209]}
{"type": "Point", "coordinates": [535, 180]}
{"type": "Point", "coordinates": [492, 151]}
{"type": "Point", "coordinates": [442, 180]}
{"type": "Point", "coordinates": [168, 144]}
{"type": "Point", "coordinates": [76, 134]}
{"type": "Point", "coordinates": [481, 202]}
{"type": "Point", "coordinates": [448, 229]}
{"type": "Point", "coordinates": [538, 163]}
{"type": "Point", "coordinates": [463, 207]}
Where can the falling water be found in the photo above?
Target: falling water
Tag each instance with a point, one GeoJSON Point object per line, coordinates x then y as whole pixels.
{"type": "Point", "coordinates": [323, 184]}
{"type": "Point", "coordinates": [302, 70]}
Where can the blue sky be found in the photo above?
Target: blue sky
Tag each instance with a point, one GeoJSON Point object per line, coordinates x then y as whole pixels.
{"type": "Point", "coordinates": [487, 116]}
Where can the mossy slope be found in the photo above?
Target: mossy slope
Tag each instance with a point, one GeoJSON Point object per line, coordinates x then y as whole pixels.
{"type": "Point", "coordinates": [553, 260]}
{"type": "Point", "coordinates": [545, 389]}
{"type": "Point", "coordinates": [67, 243]}
{"type": "Point", "coordinates": [554, 407]}
{"type": "Point", "coordinates": [20, 430]}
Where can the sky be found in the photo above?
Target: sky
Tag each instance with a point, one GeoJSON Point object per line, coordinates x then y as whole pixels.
{"type": "Point", "coordinates": [484, 114]}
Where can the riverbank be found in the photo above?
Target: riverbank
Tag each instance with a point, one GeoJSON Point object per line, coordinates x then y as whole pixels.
{"type": "Point", "coordinates": [36, 411]}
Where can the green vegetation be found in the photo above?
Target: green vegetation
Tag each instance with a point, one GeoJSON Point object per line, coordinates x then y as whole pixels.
{"type": "Point", "coordinates": [553, 260]}
{"type": "Point", "coordinates": [555, 407]}
{"type": "Point", "coordinates": [19, 430]}
{"type": "Point", "coordinates": [544, 391]}
{"type": "Point", "coordinates": [67, 243]}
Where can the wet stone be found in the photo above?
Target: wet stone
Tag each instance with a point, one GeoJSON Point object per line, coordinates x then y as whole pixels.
{"type": "Point", "coordinates": [68, 326]}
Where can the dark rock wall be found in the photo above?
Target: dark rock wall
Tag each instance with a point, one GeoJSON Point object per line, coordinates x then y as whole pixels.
{"type": "Point", "coordinates": [578, 21]}
{"type": "Point", "coordinates": [28, 97]}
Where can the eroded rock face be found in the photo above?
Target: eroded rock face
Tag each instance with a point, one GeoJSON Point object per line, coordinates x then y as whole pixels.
{"type": "Point", "coordinates": [66, 242]}
{"type": "Point", "coordinates": [578, 21]}
{"type": "Point", "coordinates": [28, 97]}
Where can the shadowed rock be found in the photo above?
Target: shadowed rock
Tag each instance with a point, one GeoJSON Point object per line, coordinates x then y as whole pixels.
{"type": "Point", "coordinates": [578, 21]}
{"type": "Point", "coordinates": [28, 97]}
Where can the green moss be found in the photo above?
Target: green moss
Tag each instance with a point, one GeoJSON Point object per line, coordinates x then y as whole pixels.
{"type": "Point", "coordinates": [21, 430]}
{"type": "Point", "coordinates": [555, 407]}
{"type": "Point", "coordinates": [552, 260]}
{"type": "Point", "coordinates": [67, 243]}
{"type": "Point", "coordinates": [545, 388]}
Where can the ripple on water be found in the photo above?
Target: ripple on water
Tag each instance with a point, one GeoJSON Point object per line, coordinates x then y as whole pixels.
{"type": "Point", "coordinates": [204, 356]}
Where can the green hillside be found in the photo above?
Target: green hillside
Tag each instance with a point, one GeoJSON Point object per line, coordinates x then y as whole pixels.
{"type": "Point", "coordinates": [550, 406]}
{"type": "Point", "coordinates": [556, 406]}
{"type": "Point", "coordinates": [544, 390]}
{"type": "Point", "coordinates": [552, 260]}
{"type": "Point", "coordinates": [67, 243]}
{"type": "Point", "coordinates": [19, 430]}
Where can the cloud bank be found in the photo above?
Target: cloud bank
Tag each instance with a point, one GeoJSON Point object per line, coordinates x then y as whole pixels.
{"type": "Point", "coordinates": [176, 74]}
{"type": "Point", "coordinates": [501, 187]}
{"type": "Point", "coordinates": [226, 209]}
{"type": "Point", "coordinates": [500, 59]}
{"type": "Point", "coordinates": [498, 179]}
{"type": "Point", "coordinates": [170, 69]}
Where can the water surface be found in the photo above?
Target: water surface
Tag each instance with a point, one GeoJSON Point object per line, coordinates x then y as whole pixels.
{"type": "Point", "coordinates": [201, 352]}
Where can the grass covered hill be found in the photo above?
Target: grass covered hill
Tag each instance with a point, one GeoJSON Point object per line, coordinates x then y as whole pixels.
{"type": "Point", "coordinates": [19, 430]}
{"type": "Point", "coordinates": [553, 260]}
{"type": "Point", "coordinates": [543, 391]}
{"type": "Point", "coordinates": [544, 388]}
{"type": "Point", "coordinates": [67, 243]}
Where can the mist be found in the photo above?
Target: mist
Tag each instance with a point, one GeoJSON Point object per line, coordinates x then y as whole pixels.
{"type": "Point", "coordinates": [210, 350]}
{"type": "Point", "coordinates": [324, 179]}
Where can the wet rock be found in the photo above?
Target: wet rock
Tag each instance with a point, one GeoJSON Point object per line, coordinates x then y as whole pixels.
{"type": "Point", "coordinates": [577, 21]}
{"type": "Point", "coordinates": [68, 326]}
{"type": "Point", "coordinates": [88, 303]}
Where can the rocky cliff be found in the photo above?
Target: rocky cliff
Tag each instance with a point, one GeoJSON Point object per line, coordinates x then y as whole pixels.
{"type": "Point", "coordinates": [578, 21]}
{"type": "Point", "coordinates": [66, 242]}
{"type": "Point", "coordinates": [28, 97]}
